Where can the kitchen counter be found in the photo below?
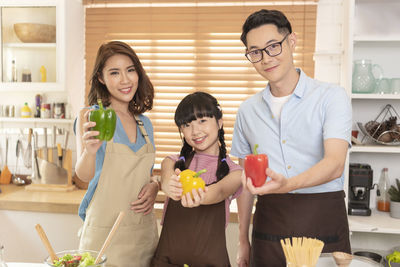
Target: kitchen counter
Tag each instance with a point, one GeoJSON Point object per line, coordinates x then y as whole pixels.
{"type": "Point", "coordinates": [14, 197]}
{"type": "Point", "coordinates": [17, 198]}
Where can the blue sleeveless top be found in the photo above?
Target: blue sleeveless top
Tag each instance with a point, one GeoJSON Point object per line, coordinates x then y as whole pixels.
{"type": "Point", "coordinates": [121, 138]}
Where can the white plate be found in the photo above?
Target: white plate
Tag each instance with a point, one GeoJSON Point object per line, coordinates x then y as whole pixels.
{"type": "Point", "coordinates": [326, 260]}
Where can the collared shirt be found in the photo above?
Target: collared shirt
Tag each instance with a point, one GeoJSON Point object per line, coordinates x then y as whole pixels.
{"type": "Point", "coordinates": [120, 137]}
{"type": "Point", "coordinates": [315, 112]}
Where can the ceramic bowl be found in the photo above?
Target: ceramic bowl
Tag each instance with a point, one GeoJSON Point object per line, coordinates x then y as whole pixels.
{"type": "Point", "coordinates": [94, 254]}
{"type": "Point", "coordinates": [35, 32]}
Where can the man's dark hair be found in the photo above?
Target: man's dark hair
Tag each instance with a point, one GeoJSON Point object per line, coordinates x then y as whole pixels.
{"type": "Point", "coordinates": [262, 17]}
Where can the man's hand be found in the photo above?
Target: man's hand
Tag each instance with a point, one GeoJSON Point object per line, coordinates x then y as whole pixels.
{"type": "Point", "coordinates": [146, 199]}
{"type": "Point", "coordinates": [243, 254]}
{"type": "Point", "coordinates": [276, 184]}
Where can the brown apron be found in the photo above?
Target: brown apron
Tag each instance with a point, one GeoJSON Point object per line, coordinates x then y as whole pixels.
{"type": "Point", "coordinates": [193, 236]}
{"type": "Point", "coordinates": [123, 175]}
{"type": "Point", "coordinates": [321, 215]}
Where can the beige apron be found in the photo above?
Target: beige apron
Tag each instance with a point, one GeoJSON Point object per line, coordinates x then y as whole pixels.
{"type": "Point", "coordinates": [123, 175]}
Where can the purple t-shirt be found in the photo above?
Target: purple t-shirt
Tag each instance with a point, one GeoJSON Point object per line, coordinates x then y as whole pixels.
{"type": "Point", "coordinates": [209, 162]}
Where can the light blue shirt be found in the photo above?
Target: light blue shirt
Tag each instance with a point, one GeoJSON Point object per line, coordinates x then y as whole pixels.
{"type": "Point", "coordinates": [316, 111]}
{"type": "Point", "coordinates": [120, 137]}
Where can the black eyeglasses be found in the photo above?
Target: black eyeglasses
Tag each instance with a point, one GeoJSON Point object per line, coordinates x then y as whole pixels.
{"type": "Point", "coordinates": [272, 50]}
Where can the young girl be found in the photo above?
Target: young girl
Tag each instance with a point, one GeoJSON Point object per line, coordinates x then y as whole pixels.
{"type": "Point", "coordinates": [193, 230]}
{"type": "Point", "coordinates": [119, 170]}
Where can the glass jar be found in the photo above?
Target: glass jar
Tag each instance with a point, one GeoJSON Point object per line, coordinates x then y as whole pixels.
{"type": "Point", "coordinates": [383, 199]}
{"type": "Point", "coordinates": [2, 262]}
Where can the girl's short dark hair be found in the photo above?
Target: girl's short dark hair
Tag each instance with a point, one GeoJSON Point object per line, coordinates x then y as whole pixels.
{"type": "Point", "coordinates": [143, 98]}
{"type": "Point", "coordinates": [194, 106]}
{"type": "Point", "coordinates": [265, 16]}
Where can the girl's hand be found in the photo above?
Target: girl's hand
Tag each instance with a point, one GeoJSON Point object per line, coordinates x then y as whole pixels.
{"type": "Point", "coordinates": [174, 187]}
{"type": "Point", "coordinates": [198, 197]}
{"type": "Point", "coordinates": [146, 199]}
{"type": "Point", "coordinates": [90, 143]}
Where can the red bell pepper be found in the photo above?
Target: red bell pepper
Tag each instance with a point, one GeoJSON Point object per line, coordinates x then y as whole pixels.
{"type": "Point", "coordinates": [255, 166]}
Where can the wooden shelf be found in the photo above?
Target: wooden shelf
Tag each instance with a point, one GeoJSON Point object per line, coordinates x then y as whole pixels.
{"type": "Point", "coordinates": [378, 222]}
{"type": "Point", "coordinates": [370, 148]}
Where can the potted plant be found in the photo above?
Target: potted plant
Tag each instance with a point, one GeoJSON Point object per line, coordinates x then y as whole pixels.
{"type": "Point", "coordinates": [395, 200]}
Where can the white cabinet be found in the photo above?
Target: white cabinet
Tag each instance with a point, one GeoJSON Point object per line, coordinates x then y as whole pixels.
{"type": "Point", "coordinates": [373, 33]}
{"type": "Point", "coordinates": [32, 36]}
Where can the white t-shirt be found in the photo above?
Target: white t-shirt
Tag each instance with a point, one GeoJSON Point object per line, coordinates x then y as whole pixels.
{"type": "Point", "coordinates": [277, 104]}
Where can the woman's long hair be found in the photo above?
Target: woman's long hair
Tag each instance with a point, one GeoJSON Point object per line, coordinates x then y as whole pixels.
{"type": "Point", "coordinates": [194, 106]}
{"type": "Point", "coordinates": [143, 98]}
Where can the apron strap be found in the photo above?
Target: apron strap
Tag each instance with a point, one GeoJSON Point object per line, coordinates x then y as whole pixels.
{"type": "Point", "coordinates": [142, 129]}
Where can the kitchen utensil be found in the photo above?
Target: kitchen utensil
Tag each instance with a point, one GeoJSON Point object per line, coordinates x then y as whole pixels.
{"type": "Point", "coordinates": [16, 179]}
{"type": "Point", "coordinates": [28, 151]}
{"type": "Point", "coordinates": [342, 259]}
{"type": "Point", "coordinates": [46, 242]}
{"type": "Point", "coordinates": [51, 173]}
{"type": "Point", "coordinates": [370, 255]}
{"type": "Point", "coordinates": [50, 149]}
{"type": "Point", "coordinates": [35, 32]}
{"type": "Point", "coordinates": [327, 260]}
{"type": "Point", "coordinates": [60, 155]}
{"type": "Point", "coordinates": [44, 155]}
{"type": "Point", "coordinates": [65, 146]}
{"type": "Point", "coordinates": [395, 86]}
{"type": "Point", "coordinates": [383, 86]}
{"type": "Point", "coordinates": [5, 177]}
{"type": "Point", "coordinates": [364, 80]}
{"type": "Point", "coordinates": [54, 144]}
{"type": "Point", "coordinates": [35, 163]}
{"type": "Point", "coordinates": [110, 236]}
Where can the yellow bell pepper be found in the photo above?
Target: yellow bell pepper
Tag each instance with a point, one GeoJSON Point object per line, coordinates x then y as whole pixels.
{"type": "Point", "coordinates": [190, 180]}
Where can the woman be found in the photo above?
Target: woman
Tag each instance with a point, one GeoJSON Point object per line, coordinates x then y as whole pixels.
{"type": "Point", "coordinates": [119, 170]}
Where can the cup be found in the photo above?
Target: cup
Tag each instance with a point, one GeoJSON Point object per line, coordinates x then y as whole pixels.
{"type": "Point", "coordinates": [383, 86]}
{"type": "Point", "coordinates": [354, 133]}
{"type": "Point", "coordinates": [395, 86]}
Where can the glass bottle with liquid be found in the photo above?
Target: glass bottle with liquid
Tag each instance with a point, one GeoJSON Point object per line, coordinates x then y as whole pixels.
{"type": "Point", "coordinates": [2, 262]}
{"type": "Point", "coordinates": [383, 199]}
{"type": "Point", "coordinates": [13, 71]}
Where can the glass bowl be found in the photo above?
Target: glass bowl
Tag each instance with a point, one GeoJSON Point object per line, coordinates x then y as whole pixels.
{"type": "Point", "coordinates": [94, 254]}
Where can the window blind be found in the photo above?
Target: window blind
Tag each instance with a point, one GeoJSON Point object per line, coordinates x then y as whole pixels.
{"type": "Point", "coordinates": [187, 46]}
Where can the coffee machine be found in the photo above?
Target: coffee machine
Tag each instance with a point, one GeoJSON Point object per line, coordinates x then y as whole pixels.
{"type": "Point", "coordinates": [360, 184]}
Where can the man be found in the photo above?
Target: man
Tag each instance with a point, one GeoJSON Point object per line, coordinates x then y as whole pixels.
{"type": "Point", "coordinates": [304, 127]}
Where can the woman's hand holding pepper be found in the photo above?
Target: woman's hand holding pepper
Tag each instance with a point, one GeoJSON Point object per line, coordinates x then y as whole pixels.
{"type": "Point", "coordinates": [146, 199]}
{"type": "Point", "coordinates": [90, 143]}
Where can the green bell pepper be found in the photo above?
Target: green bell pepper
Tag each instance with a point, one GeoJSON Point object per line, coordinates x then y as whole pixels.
{"type": "Point", "coordinates": [105, 119]}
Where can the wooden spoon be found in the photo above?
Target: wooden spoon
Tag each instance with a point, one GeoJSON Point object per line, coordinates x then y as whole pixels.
{"type": "Point", "coordinates": [110, 236]}
{"type": "Point", "coordinates": [46, 242]}
{"type": "Point", "coordinates": [342, 259]}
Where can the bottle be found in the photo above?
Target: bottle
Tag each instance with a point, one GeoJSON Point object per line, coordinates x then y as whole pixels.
{"type": "Point", "coordinates": [43, 74]}
{"type": "Point", "coordinates": [38, 102]}
{"type": "Point", "coordinates": [13, 71]}
{"type": "Point", "coordinates": [2, 262]}
{"type": "Point", "coordinates": [26, 111]}
{"type": "Point", "coordinates": [383, 199]}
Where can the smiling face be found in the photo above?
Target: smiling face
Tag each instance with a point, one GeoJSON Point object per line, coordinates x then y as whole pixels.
{"type": "Point", "coordinates": [121, 79]}
{"type": "Point", "coordinates": [274, 69]}
{"type": "Point", "coordinates": [202, 134]}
